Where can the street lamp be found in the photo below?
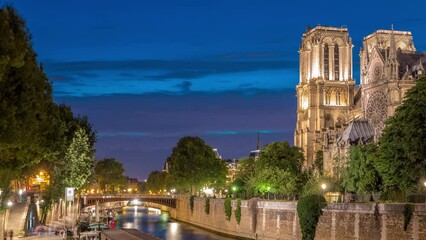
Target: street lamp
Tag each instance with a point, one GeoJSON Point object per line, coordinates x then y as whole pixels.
{"type": "Point", "coordinates": [234, 189]}
{"type": "Point", "coordinates": [323, 186]}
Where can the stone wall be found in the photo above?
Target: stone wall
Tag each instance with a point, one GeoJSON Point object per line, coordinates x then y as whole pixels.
{"type": "Point", "coordinates": [279, 220]}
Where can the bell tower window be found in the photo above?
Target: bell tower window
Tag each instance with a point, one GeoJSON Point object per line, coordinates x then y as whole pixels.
{"type": "Point", "coordinates": [336, 62]}
{"type": "Point", "coordinates": [326, 63]}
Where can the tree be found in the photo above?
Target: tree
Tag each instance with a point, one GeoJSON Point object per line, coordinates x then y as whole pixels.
{"type": "Point", "coordinates": [361, 174]}
{"type": "Point", "coordinates": [319, 162]}
{"type": "Point", "coordinates": [278, 170]}
{"type": "Point", "coordinates": [109, 174]}
{"type": "Point", "coordinates": [25, 95]}
{"type": "Point", "coordinates": [245, 172]}
{"type": "Point", "coordinates": [402, 152]}
{"type": "Point", "coordinates": [157, 181]}
{"type": "Point", "coordinates": [193, 165]}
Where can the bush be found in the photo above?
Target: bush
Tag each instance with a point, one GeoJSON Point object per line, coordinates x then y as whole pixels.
{"type": "Point", "coordinates": [309, 209]}
{"type": "Point", "coordinates": [238, 211]}
{"type": "Point", "coordinates": [207, 206]}
{"type": "Point", "coordinates": [228, 208]}
{"type": "Point", "coordinates": [191, 202]}
{"type": "Point", "coordinates": [408, 213]}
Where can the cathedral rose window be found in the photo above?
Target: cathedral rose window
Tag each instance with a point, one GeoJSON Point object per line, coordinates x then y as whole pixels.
{"type": "Point", "coordinates": [377, 111]}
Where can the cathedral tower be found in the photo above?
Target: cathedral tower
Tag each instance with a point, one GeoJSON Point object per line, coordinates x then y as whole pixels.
{"type": "Point", "coordinates": [325, 91]}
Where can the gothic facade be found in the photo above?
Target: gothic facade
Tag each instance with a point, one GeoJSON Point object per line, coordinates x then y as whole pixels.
{"type": "Point", "coordinates": [332, 113]}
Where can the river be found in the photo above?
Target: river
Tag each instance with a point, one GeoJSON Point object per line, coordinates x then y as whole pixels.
{"type": "Point", "coordinates": [159, 224]}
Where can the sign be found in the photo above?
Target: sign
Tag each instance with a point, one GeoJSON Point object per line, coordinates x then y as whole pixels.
{"type": "Point", "coordinates": [69, 194]}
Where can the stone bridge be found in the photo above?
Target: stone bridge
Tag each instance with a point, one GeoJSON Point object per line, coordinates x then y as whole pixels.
{"type": "Point", "coordinates": [166, 200]}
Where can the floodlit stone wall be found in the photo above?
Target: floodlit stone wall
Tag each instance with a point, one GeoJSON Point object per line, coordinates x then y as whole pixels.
{"type": "Point", "coordinates": [278, 220]}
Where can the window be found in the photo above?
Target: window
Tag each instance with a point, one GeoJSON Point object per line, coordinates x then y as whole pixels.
{"type": "Point", "coordinates": [336, 62]}
{"type": "Point", "coordinates": [326, 63]}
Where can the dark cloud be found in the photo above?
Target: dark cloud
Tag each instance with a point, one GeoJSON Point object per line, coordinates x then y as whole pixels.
{"type": "Point", "coordinates": [174, 69]}
{"type": "Point", "coordinates": [185, 86]}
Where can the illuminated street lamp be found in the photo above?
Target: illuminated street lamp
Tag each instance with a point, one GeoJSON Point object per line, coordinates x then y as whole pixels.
{"type": "Point", "coordinates": [234, 189]}
{"type": "Point", "coordinates": [323, 186]}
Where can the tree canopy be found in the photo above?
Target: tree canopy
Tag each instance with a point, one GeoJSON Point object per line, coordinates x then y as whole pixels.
{"type": "Point", "coordinates": [361, 174]}
{"type": "Point", "coordinates": [109, 174]}
{"type": "Point", "coordinates": [402, 152]}
{"type": "Point", "coordinates": [193, 165]}
{"type": "Point", "coordinates": [278, 170]}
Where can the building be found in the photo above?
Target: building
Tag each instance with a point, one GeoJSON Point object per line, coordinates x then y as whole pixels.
{"type": "Point", "coordinates": [333, 113]}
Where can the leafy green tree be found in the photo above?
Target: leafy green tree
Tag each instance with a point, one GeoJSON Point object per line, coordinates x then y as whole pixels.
{"type": "Point", "coordinates": [108, 173]}
{"type": "Point", "coordinates": [193, 165]}
{"type": "Point", "coordinates": [361, 174]}
{"type": "Point", "coordinates": [402, 152]}
{"type": "Point", "coordinates": [278, 170]}
{"type": "Point", "coordinates": [245, 172]}
{"type": "Point", "coordinates": [157, 181]}
{"type": "Point", "coordinates": [25, 95]}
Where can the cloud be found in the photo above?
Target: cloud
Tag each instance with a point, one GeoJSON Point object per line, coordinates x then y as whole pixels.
{"type": "Point", "coordinates": [185, 86]}
{"type": "Point", "coordinates": [167, 69]}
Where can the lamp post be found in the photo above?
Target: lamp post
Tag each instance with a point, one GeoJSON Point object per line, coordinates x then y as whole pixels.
{"type": "Point", "coordinates": [424, 183]}
{"type": "Point", "coordinates": [323, 186]}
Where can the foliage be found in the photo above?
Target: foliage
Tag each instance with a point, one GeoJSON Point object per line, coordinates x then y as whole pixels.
{"type": "Point", "coordinates": [79, 161]}
{"type": "Point", "coordinates": [319, 162]}
{"type": "Point", "coordinates": [402, 152]}
{"type": "Point", "coordinates": [278, 170]}
{"type": "Point", "coordinates": [309, 209]}
{"type": "Point", "coordinates": [237, 211]}
{"type": "Point", "coordinates": [228, 208]}
{"type": "Point", "coordinates": [207, 205]}
{"type": "Point", "coordinates": [361, 174]}
{"type": "Point", "coordinates": [191, 202]}
{"type": "Point", "coordinates": [109, 174]}
{"type": "Point", "coordinates": [25, 97]}
{"type": "Point", "coordinates": [245, 172]}
{"type": "Point", "coordinates": [313, 185]}
{"type": "Point", "coordinates": [408, 213]}
{"type": "Point", "coordinates": [193, 165]}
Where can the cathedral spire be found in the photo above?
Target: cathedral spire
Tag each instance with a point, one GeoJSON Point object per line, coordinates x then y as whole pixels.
{"type": "Point", "coordinates": [258, 141]}
{"type": "Point", "coordinates": [392, 49]}
{"type": "Point", "coordinates": [392, 60]}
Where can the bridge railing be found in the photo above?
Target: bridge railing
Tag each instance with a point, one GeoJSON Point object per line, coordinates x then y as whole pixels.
{"type": "Point", "coordinates": [127, 196]}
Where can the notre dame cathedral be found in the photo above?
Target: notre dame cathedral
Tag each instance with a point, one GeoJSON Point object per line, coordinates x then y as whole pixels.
{"type": "Point", "coordinates": [333, 113]}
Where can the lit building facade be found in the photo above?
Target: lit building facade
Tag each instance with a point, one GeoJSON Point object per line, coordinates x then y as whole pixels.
{"type": "Point", "coordinates": [333, 114]}
{"type": "Point", "coordinates": [325, 91]}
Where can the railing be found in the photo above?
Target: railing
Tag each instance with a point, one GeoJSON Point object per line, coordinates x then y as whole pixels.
{"type": "Point", "coordinates": [167, 200]}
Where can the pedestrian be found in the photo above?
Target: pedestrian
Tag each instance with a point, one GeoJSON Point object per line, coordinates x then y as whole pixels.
{"type": "Point", "coordinates": [11, 234]}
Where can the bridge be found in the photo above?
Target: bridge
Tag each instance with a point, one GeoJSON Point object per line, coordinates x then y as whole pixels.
{"type": "Point", "coordinates": [166, 200]}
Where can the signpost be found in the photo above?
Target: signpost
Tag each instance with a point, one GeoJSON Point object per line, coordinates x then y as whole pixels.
{"type": "Point", "coordinates": [69, 197]}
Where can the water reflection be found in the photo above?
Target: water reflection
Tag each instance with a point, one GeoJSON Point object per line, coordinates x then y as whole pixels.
{"type": "Point", "coordinates": [159, 224]}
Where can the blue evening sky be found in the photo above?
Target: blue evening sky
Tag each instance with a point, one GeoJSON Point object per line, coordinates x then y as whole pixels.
{"type": "Point", "coordinates": [149, 72]}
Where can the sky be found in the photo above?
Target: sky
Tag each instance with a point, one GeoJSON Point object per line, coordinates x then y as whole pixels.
{"type": "Point", "coordinates": [147, 73]}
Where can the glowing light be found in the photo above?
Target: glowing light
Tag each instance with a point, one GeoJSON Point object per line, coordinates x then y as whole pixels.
{"type": "Point", "coordinates": [173, 228]}
{"type": "Point", "coordinates": [129, 190]}
{"type": "Point", "coordinates": [208, 191]}
{"type": "Point", "coordinates": [323, 186]}
{"type": "Point", "coordinates": [136, 202]}
{"type": "Point", "coordinates": [20, 191]}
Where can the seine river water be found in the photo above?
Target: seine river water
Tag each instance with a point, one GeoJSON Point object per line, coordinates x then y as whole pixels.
{"type": "Point", "coordinates": [159, 224]}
